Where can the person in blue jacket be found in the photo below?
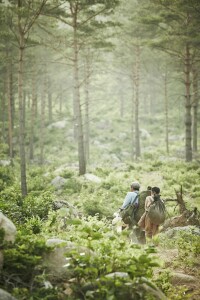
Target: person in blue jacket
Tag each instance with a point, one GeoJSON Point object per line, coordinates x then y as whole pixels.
{"type": "Point", "coordinates": [132, 196]}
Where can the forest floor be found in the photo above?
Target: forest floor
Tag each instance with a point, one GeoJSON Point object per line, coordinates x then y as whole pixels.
{"type": "Point", "coordinates": [185, 277]}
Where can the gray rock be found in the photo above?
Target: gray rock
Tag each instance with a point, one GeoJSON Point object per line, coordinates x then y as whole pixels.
{"type": "Point", "coordinates": [93, 178]}
{"type": "Point", "coordinates": [56, 262]}
{"type": "Point", "coordinates": [173, 232]}
{"type": "Point", "coordinates": [144, 134]}
{"type": "Point", "coordinates": [6, 296]}
{"type": "Point", "coordinates": [180, 278]}
{"type": "Point", "coordinates": [8, 227]}
{"type": "Point", "coordinates": [58, 125]}
{"type": "Point", "coordinates": [58, 182]}
{"type": "Point", "coordinates": [5, 163]}
{"type": "Point", "coordinates": [117, 274]}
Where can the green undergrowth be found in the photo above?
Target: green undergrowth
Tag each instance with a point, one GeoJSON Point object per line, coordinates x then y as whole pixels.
{"type": "Point", "coordinates": [86, 222]}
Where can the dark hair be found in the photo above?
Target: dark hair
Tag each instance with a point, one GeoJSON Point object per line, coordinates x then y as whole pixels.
{"type": "Point", "coordinates": [149, 188]}
{"type": "Point", "coordinates": [156, 190]}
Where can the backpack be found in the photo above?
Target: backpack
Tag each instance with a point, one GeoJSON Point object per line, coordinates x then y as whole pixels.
{"type": "Point", "coordinates": [156, 212]}
{"type": "Point", "coordinates": [141, 207]}
{"type": "Point", "coordinates": [127, 214]}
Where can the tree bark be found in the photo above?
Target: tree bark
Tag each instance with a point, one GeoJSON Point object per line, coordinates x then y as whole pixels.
{"type": "Point", "coordinates": [87, 106]}
{"type": "Point", "coordinates": [42, 121]}
{"type": "Point", "coordinates": [195, 109]}
{"type": "Point", "coordinates": [33, 116]}
{"type": "Point", "coordinates": [166, 115]}
{"type": "Point", "coordinates": [21, 112]}
{"type": "Point", "coordinates": [61, 100]}
{"type": "Point", "coordinates": [137, 86]}
{"type": "Point", "coordinates": [9, 99]}
{"type": "Point", "coordinates": [49, 101]}
{"type": "Point", "coordinates": [3, 110]}
{"type": "Point", "coordinates": [188, 117]}
{"type": "Point", "coordinates": [132, 124]}
{"type": "Point", "coordinates": [76, 96]}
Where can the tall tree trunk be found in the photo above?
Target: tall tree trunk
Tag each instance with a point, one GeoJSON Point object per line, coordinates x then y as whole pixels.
{"type": "Point", "coordinates": [33, 116]}
{"type": "Point", "coordinates": [21, 112]}
{"type": "Point", "coordinates": [42, 121]}
{"type": "Point", "coordinates": [12, 96]}
{"type": "Point", "coordinates": [166, 115]}
{"type": "Point", "coordinates": [132, 123]}
{"type": "Point", "coordinates": [87, 104]}
{"type": "Point", "coordinates": [61, 100]}
{"type": "Point", "coordinates": [137, 86]}
{"type": "Point", "coordinates": [195, 109]}
{"type": "Point", "coordinates": [77, 104]}
{"type": "Point", "coordinates": [9, 98]}
{"type": "Point", "coordinates": [50, 115]}
{"type": "Point", "coordinates": [188, 106]}
{"type": "Point", "coordinates": [3, 110]}
{"type": "Point", "coordinates": [121, 96]}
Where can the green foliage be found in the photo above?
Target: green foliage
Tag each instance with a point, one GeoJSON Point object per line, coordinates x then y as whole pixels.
{"type": "Point", "coordinates": [189, 250]}
{"type": "Point", "coordinates": [37, 206]}
{"type": "Point", "coordinates": [23, 260]}
{"type": "Point", "coordinates": [6, 177]}
{"type": "Point", "coordinates": [3, 151]}
{"type": "Point", "coordinates": [11, 201]}
{"type": "Point", "coordinates": [172, 292]}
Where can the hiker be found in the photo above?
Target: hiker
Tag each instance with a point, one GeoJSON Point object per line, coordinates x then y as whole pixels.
{"type": "Point", "coordinates": [150, 226]}
{"type": "Point", "coordinates": [131, 199]}
{"type": "Point", "coordinates": [139, 232]}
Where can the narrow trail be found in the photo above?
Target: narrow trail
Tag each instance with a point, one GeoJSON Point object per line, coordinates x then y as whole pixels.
{"type": "Point", "coordinates": [186, 277]}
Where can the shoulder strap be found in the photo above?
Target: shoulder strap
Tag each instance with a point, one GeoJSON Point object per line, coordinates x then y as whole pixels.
{"type": "Point", "coordinates": [135, 199]}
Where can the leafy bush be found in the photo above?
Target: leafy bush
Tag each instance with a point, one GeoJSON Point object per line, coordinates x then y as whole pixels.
{"type": "Point", "coordinates": [22, 262]}
{"type": "Point", "coordinates": [37, 206]}
{"type": "Point", "coordinates": [11, 201]}
{"type": "Point", "coordinates": [6, 177]}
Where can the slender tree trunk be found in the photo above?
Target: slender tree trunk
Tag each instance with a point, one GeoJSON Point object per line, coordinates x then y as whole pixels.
{"type": "Point", "coordinates": [12, 96]}
{"type": "Point", "coordinates": [3, 110]}
{"type": "Point", "coordinates": [50, 115]}
{"type": "Point", "coordinates": [121, 96]}
{"type": "Point", "coordinates": [9, 98]}
{"type": "Point", "coordinates": [61, 100]}
{"type": "Point", "coordinates": [166, 115]}
{"type": "Point", "coordinates": [132, 124]}
{"type": "Point", "coordinates": [87, 104]}
{"type": "Point", "coordinates": [195, 109]}
{"type": "Point", "coordinates": [21, 113]}
{"type": "Point", "coordinates": [33, 110]}
{"type": "Point", "coordinates": [42, 122]}
{"type": "Point", "coordinates": [77, 104]}
{"type": "Point", "coordinates": [137, 86]}
{"type": "Point", "coordinates": [24, 104]}
{"type": "Point", "coordinates": [188, 116]}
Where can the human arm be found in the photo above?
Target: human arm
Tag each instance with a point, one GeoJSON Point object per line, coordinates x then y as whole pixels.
{"type": "Point", "coordinates": [131, 197]}
{"type": "Point", "coordinates": [148, 202]}
{"type": "Point", "coordinates": [127, 201]}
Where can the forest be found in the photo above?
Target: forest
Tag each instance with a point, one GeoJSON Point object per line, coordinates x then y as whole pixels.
{"type": "Point", "coordinates": [95, 95]}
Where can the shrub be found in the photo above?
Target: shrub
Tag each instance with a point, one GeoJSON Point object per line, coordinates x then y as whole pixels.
{"type": "Point", "coordinates": [37, 206]}
{"type": "Point", "coordinates": [6, 177]}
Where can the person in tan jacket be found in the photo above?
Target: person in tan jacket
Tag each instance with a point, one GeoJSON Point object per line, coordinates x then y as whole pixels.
{"type": "Point", "coordinates": [145, 223]}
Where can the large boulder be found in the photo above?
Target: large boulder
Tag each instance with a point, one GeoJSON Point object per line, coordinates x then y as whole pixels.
{"type": "Point", "coordinates": [93, 178]}
{"type": "Point", "coordinates": [6, 296]}
{"type": "Point", "coordinates": [58, 182]}
{"type": "Point", "coordinates": [173, 232]}
{"type": "Point", "coordinates": [58, 125]}
{"type": "Point", "coordinates": [5, 163]}
{"type": "Point", "coordinates": [56, 261]}
{"type": "Point", "coordinates": [8, 227]}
